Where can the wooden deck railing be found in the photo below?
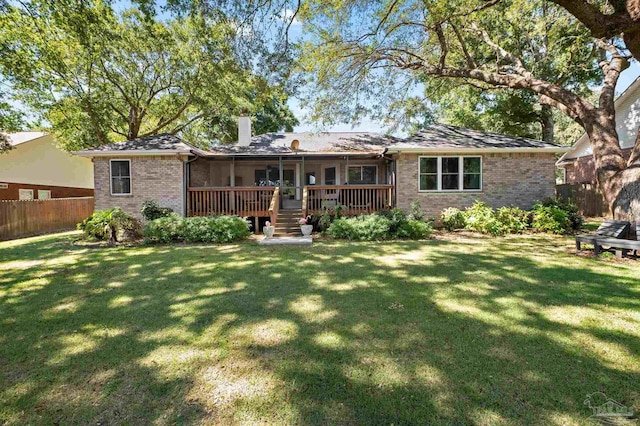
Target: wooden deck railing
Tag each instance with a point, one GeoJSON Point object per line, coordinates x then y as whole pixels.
{"type": "Point", "coordinates": [274, 207]}
{"type": "Point", "coordinates": [238, 200]}
{"type": "Point", "coordinates": [354, 199]}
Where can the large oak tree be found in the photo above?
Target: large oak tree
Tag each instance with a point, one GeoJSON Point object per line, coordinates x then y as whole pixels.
{"type": "Point", "coordinates": [98, 75]}
{"type": "Point", "coordinates": [368, 50]}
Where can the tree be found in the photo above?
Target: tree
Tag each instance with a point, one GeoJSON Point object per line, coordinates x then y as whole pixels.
{"type": "Point", "coordinates": [483, 43]}
{"type": "Point", "coordinates": [99, 76]}
{"type": "Point", "coordinates": [10, 120]}
{"type": "Point", "coordinates": [609, 19]}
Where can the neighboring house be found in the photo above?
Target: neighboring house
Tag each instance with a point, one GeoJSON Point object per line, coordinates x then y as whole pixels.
{"type": "Point", "coordinates": [578, 165]}
{"type": "Point", "coordinates": [442, 166]}
{"type": "Point", "coordinates": [37, 169]}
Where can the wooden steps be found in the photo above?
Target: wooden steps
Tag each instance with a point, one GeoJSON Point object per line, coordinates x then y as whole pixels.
{"type": "Point", "coordinates": [287, 223]}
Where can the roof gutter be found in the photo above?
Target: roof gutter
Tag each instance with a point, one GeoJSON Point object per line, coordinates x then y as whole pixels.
{"type": "Point", "coordinates": [555, 150]}
{"type": "Point", "coordinates": [135, 153]}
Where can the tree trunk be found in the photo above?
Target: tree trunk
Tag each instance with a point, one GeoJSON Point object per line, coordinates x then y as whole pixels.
{"type": "Point", "coordinates": [547, 123]}
{"type": "Point", "coordinates": [620, 185]}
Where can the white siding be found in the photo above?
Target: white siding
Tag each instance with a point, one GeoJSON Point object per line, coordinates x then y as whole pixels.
{"type": "Point", "coordinates": [40, 162]}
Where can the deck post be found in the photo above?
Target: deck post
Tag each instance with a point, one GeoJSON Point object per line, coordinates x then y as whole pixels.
{"type": "Point", "coordinates": [232, 183]}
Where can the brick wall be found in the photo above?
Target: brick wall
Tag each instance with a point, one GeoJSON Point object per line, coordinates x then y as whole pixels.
{"type": "Point", "coordinates": [152, 178]}
{"type": "Point", "coordinates": [507, 179]}
{"type": "Point", "coordinates": [583, 169]}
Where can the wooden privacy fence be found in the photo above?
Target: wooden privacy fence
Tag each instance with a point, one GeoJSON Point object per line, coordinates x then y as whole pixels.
{"type": "Point", "coordinates": [586, 195]}
{"type": "Point", "coordinates": [30, 217]}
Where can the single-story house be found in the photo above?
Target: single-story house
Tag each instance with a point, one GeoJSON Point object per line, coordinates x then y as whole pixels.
{"type": "Point", "coordinates": [35, 168]}
{"type": "Point", "coordinates": [302, 173]}
{"type": "Point", "coordinates": [578, 165]}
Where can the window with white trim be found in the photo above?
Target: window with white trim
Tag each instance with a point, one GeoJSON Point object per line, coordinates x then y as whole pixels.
{"type": "Point", "coordinates": [120, 176]}
{"type": "Point", "coordinates": [450, 173]}
{"type": "Point", "coordinates": [357, 175]}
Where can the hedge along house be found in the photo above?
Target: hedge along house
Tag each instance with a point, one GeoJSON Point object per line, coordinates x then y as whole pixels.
{"type": "Point", "coordinates": [284, 176]}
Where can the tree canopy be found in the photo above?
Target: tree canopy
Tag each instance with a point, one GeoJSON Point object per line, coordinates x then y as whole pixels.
{"type": "Point", "coordinates": [99, 76]}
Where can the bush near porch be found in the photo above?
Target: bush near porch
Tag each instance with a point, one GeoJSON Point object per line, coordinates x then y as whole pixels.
{"type": "Point", "coordinates": [212, 229]}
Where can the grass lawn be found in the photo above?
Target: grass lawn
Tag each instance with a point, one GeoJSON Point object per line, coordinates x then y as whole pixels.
{"type": "Point", "coordinates": [457, 330]}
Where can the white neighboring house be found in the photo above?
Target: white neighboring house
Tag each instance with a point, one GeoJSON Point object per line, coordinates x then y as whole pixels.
{"type": "Point", "coordinates": [578, 164]}
{"type": "Point", "coordinates": [37, 169]}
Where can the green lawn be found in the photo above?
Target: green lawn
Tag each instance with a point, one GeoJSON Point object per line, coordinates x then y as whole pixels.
{"type": "Point", "coordinates": [457, 330]}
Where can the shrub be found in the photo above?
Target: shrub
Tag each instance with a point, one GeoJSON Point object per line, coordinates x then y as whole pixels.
{"type": "Point", "coordinates": [512, 220]}
{"type": "Point", "coordinates": [414, 229]}
{"type": "Point", "coordinates": [363, 228]}
{"type": "Point", "coordinates": [570, 208]}
{"type": "Point", "coordinates": [165, 229]}
{"type": "Point", "coordinates": [214, 229]}
{"type": "Point", "coordinates": [110, 225]}
{"type": "Point", "coordinates": [453, 218]}
{"type": "Point", "coordinates": [481, 218]}
{"type": "Point", "coordinates": [151, 210]}
{"type": "Point", "coordinates": [550, 219]}
{"type": "Point", "coordinates": [415, 211]}
{"type": "Point", "coordinates": [397, 217]}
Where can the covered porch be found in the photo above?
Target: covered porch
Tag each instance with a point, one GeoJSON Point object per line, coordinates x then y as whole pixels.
{"type": "Point", "coordinates": [261, 186]}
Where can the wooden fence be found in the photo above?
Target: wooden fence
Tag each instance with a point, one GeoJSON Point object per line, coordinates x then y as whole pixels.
{"type": "Point", "coordinates": [31, 217]}
{"type": "Point", "coordinates": [586, 195]}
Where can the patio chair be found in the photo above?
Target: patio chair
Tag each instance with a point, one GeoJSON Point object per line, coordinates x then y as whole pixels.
{"type": "Point", "coordinates": [608, 229]}
{"type": "Point", "coordinates": [620, 246]}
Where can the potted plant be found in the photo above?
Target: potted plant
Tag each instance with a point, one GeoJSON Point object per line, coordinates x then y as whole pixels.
{"type": "Point", "coordinates": [268, 229]}
{"type": "Point", "coordinates": [305, 226]}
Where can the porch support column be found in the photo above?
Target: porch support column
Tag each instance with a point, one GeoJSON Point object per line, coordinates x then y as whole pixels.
{"type": "Point", "coordinates": [232, 172]}
{"type": "Point", "coordinates": [232, 183]}
{"type": "Point", "coordinates": [297, 181]}
{"type": "Point", "coordinates": [281, 177]}
{"type": "Point", "coordinates": [346, 172]}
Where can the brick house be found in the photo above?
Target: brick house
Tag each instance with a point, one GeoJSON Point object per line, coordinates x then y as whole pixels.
{"type": "Point", "coordinates": [278, 174]}
{"type": "Point", "coordinates": [577, 164]}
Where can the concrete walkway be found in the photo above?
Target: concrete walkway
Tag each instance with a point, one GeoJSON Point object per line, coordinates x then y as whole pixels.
{"type": "Point", "coordinates": [285, 241]}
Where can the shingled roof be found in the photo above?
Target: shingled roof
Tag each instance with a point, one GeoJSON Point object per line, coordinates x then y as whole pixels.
{"type": "Point", "coordinates": [445, 138]}
{"type": "Point", "coordinates": [163, 143]}
{"type": "Point", "coordinates": [308, 143]}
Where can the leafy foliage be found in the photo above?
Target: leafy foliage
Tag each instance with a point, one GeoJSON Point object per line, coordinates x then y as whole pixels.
{"type": "Point", "coordinates": [101, 76]}
{"type": "Point", "coordinates": [213, 229]}
{"type": "Point", "coordinates": [110, 225]}
{"type": "Point", "coordinates": [550, 219]}
{"type": "Point", "coordinates": [151, 210]}
{"type": "Point", "coordinates": [548, 216]}
{"type": "Point", "coordinates": [453, 218]}
{"type": "Point", "coordinates": [390, 65]}
{"type": "Point", "coordinates": [383, 225]}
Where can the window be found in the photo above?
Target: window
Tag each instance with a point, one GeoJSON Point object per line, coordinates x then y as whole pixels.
{"type": "Point", "coordinates": [120, 177]}
{"type": "Point", "coordinates": [25, 194]}
{"type": "Point", "coordinates": [44, 194]}
{"type": "Point", "coordinates": [450, 174]}
{"type": "Point", "coordinates": [357, 175]}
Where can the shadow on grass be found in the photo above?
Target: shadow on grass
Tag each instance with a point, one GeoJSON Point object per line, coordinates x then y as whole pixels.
{"type": "Point", "coordinates": [491, 331]}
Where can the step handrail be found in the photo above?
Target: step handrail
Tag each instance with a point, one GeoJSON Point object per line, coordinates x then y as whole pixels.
{"type": "Point", "coordinates": [274, 206]}
{"type": "Point", "coordinates": [305, 196]}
